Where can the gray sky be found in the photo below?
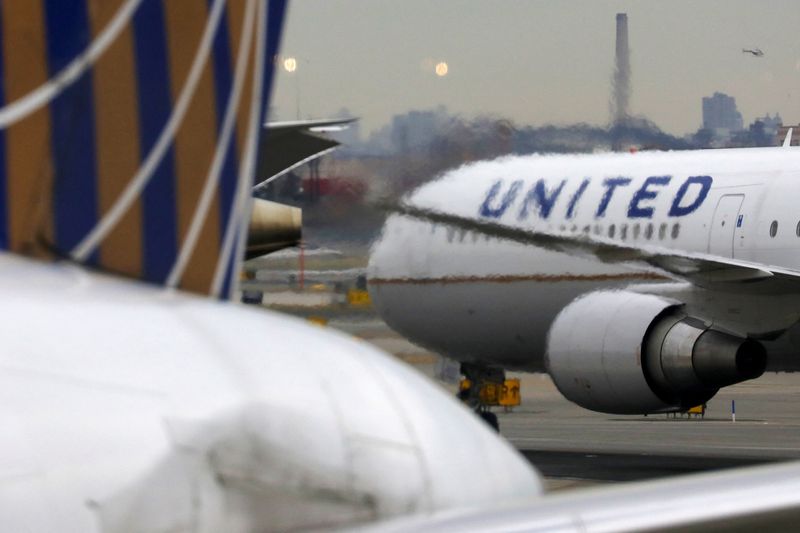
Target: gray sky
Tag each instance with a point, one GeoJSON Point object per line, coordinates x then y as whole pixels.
{"type": "Point", "coordinates": [538, 62]}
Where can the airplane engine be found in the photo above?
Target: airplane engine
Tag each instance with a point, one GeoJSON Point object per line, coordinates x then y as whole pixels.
{"type": "Point", "coordinates": [272, 227]}
{"type": "Point", "coordinates": [628, 353]}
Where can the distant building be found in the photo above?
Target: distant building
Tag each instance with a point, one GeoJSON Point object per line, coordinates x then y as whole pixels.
{"type": "Point", "coordinates": [771, 124]}
{"type": "Point", "coordinates": [781, 135]}
{"type": "Point", "coordinates": [720, 115]}
{"type": "Point", "coordinates": [417, 129]}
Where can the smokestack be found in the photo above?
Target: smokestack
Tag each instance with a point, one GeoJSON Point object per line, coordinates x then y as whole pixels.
{"type": "Point", "coordinates": [621, 89]}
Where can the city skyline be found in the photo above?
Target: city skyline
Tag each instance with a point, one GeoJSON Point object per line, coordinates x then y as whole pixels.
{"type": "Point", "coordinates": [537, 62]}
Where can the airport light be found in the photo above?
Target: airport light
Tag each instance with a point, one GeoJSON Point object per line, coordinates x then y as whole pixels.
{"type": "Point", "coordinates": [290, 64]}
{"type": "Point", "coordinates": [441, 69]}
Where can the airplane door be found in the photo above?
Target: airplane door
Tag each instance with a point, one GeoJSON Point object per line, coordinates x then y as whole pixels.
{"type": "Point", "coordinates": [723, 226]}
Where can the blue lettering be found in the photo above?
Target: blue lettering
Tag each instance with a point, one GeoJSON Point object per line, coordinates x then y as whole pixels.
{"type": "Point", "coordinates": [538, 193]}
{"type": "Point", "coordinates": [678, 210]}
{"type": "Point", "coordinates": [611, 184]}
{"type": "Point", "coordinates": [575, 197]}
{"type": "Point", "coordinates": [487, 210]}
{"type": "Point", "coordinates": [634, 209]}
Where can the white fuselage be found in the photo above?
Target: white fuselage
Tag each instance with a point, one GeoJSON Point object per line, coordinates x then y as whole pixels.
{"type": "Point", "coordinates": [125, 407]}
{"type": "Point", "coordinates": [492, 301]}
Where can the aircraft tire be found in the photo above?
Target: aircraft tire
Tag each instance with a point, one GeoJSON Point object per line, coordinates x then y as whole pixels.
{"type": "Point", "coordinates": [491, 419]}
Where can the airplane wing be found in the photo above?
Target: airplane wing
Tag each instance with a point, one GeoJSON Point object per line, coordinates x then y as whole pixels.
{"type": "Point", "coordinates": [287, 145]}
{"type": "Point", "coordinates": [764, 498]}
{"type": "Point", "coordinates": [703, 270]}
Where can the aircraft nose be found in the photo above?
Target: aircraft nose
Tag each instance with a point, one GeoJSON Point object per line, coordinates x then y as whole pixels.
{"type": "Point", "coordinates": [463, 462]}
{"type": "Point", "coordinates": [371, 439]}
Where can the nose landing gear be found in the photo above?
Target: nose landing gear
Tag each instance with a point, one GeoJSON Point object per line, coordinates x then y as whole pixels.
{"type": "Point", "coordinates": [480, 389]}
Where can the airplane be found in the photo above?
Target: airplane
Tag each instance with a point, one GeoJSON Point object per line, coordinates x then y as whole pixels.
{"type": "Point", "coordinates": [641, 283]}
{"type": "Point", "coordinates": [133, 399]}
{"type": "Point", "coordinates": [136, 395]}
{"type": "Point", "coordinates": [283, 147]}
{"type": "Point", "coordinates": [756, 52]}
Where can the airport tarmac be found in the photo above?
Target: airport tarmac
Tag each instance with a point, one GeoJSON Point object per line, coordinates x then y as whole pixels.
{"type": "Point", "coordinates": [574, 447]}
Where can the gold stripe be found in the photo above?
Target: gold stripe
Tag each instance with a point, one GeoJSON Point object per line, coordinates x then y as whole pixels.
{"type": "Point", "coordinates": [28, 141]}
{"type": "Point", "coordinates": [544, 278]}
{"type": "Point", "coordinates": [196, 139]}
{"type": "Point", "coordinates": [118, 151]}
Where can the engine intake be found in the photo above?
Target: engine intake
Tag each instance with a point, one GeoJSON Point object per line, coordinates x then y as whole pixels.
{"type": "Point", "coordinates": [629, 353]}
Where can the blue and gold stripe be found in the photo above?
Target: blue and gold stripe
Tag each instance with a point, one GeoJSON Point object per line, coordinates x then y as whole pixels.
{"type": "Point", "coordinates": [28, 164]}
{"type": "Point", "coordinates": [153, 79]}
{"type": "Point", "coordinates": [4, 237]}
{"type": "Point", "coordinates": [118, 146]}
{"type": "Point", "coordinates": [73, 126]}
{"type": "Point", "coordinates": [67, 166]}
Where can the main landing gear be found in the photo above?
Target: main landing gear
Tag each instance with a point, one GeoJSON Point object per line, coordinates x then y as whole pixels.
{"type": "Point", "coordinates": [476, 388]}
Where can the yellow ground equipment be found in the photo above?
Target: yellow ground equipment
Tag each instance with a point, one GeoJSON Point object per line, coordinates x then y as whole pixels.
{"type": "Point", "coordinates": [318, 320]}
{"type": "Point", "coordinates": [358, 298]}
{"type": "Point", "coordinates": [506, 394]}
{"type": "Point", "coordinates": [697, 410]}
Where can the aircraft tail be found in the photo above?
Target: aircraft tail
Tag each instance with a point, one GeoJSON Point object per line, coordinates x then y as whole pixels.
{"type": "Point", "coordinates": [129, 131]}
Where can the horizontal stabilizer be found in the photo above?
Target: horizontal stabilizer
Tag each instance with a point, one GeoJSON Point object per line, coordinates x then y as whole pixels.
{"type": "Point", "coordinates": [287, 145]}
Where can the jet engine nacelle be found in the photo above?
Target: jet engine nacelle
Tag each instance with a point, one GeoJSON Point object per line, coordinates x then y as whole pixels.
{"type": "Point", "coordinates": [629, 353]}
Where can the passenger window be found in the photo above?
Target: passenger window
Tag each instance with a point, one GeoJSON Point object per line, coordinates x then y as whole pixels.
{"type": "Point", "coordinates": [648, 232]}
{"type": "Point", "coordinates": [611, 230]}
{"type": "Point", "coordinates": [798, 229]}
{"type": "Point", "coordinates": [773, 228]}
{"type": "Point", "coordinates": [662, 231]}
{"type": "Point", "coordinates": [636, 230]}
{"type": "Point", "coordinates": [676, 229]}
{"type": "Point", "coordinates": [623, 232]}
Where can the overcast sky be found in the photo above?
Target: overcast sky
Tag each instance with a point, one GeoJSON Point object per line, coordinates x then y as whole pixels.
{"type": "Point", "coordinates": [538, 62]}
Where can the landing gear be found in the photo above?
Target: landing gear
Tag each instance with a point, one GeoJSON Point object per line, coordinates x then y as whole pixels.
{"type": "Point", "coordinates": [491, 419]}
{"type": "Point", "coordinates": [475, 389]}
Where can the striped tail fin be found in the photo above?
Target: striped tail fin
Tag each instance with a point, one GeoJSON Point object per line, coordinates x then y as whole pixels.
{"type": "Point", "coordinates": [129, 130]}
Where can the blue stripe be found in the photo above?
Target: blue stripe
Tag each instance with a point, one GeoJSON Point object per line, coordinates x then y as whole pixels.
{"type": "Point", "coordinates": [275, 16]}
{"type": "Point", "coordinates": [223, 85]}
{"type": "Point", "coordinates": [159, 220]}
{"type": "Point", "coordinates": [72, 131]}
{"type": "Point", "coordinates": [4, 240]}
{"type": "Point", "coordinates": [225, 291]}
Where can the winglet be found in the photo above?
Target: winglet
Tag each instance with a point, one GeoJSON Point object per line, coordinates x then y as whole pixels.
{"type": "Point", "coordinates": [787, 142]}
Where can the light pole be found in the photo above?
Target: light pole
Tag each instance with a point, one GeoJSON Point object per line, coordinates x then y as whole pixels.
{"type": "Point", "coordinates": [290, 65]}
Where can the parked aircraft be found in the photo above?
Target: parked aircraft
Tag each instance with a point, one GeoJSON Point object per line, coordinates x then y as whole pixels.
{"type": "Point", "coordinates": [128, 143]}
{"type": "Point", "coordinates": [283, 147]}
{"type": "Point", "coordinates": [640, 282]}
